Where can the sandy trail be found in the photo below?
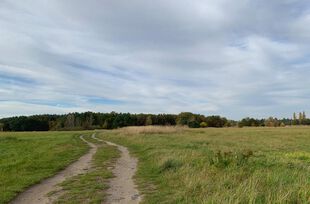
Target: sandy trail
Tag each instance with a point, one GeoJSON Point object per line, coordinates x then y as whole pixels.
{"type": "Point", "coordinates": [37, 194]}
{"type": "Point", "coordinates": [122, 187]}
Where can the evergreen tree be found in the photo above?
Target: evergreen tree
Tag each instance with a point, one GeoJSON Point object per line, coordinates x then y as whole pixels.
{"type": "Point", "coordinates": [294, 119]}
{"type": "Point", "coordinates": [300, 118]}
{"type": "Point", "coordinates": [304, 117]}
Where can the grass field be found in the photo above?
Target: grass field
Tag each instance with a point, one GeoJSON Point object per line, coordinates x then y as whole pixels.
{"type": "Point", "coordinates": [176, 165]}
{"type": "Point", "coordinates": [27, 158]}
{"type": "Point", "coordinates": [248, 165]}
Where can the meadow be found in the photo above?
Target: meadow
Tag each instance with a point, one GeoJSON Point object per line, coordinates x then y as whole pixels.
{"type": "Point", "coordinates": [176, 165]}
{"type": "Point", "coordinates": [227, 165]}
{"type": "Point", "coordinates": [28, 157]}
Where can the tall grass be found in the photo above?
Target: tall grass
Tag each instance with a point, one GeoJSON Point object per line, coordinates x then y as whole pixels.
{"type": "Point", "coordinates": [150, 129]}
{"type": "Point", "coordinates": [248, 165]}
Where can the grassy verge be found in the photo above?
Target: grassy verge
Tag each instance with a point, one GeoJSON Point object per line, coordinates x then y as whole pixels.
{"type": "Point", "coordinates": [89, 187]}
{"type": "Point", "coordinates": [27, 158]}
{"type": "Point", "coordinates": [249, 165]}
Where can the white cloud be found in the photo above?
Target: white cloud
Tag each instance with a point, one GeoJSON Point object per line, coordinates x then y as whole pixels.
{"type": "Point", "coordinates": [213, 57]}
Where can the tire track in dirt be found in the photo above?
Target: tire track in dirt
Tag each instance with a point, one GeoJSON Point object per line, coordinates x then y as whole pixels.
{"type": "Point", "coordinates": [122, 187]}
{"type": "Point", "coordinates": [37, 194]}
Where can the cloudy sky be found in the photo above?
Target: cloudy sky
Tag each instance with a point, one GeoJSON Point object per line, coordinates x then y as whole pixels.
{"type": "Point", "coordinates": [234, 58]}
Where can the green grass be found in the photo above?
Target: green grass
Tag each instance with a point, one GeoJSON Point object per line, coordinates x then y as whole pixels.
{"type": "Point", "coordinates": [89, 187]}
{"type": "Point", "coordinates": [27, 158]}
{"type": "Point", "coordinates": [248, 165]}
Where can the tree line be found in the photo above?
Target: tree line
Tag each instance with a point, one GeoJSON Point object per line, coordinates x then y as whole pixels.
{"type": "Point", "coordinates": [275, 122]}
{"type": "Point", "coordinates": [113, 120]}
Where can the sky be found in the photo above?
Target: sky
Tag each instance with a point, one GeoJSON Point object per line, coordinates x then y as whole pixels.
{"type": "Point", "coordinates": [214, 57]}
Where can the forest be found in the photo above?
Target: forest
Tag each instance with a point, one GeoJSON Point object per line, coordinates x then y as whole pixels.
{"type": "Point", "coordinates": [113, 120]}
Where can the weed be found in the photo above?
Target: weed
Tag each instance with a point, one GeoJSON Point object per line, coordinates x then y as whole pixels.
{"type": "Point", "coordinates": [227, 158]}
{"type": "Point", "coordinates": [170, 164]}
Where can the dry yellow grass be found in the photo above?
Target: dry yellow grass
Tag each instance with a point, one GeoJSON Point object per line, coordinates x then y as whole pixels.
{"type": "Point", "coordinates": [151, 129]}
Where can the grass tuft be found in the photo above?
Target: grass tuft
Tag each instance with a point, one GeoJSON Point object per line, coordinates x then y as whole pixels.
{"type": "Point", "coordinates": [170, 165]}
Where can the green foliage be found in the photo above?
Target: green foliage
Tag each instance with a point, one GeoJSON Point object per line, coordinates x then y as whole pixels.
{"type": "Point", "coordinates": [194, 120]}
{"type": "Point", "coordinates": [90, 121]}
{"type": "Point", "coordinates": [272, 122]}
{"type": "Point", "coordinates": [215, 121]}
{"type": "Point", "coordinates": [84, 121]}
{"type": "Point", "coordinates": [149, 120]}
{"type": "Point", "coordinates": [203, 124]}
{"type": "Point", "coordinates": [184, 118]}
{"type": "Point", "coordinates": [193, 124]}
{"type": "Point", "coordinates": [250, 122]}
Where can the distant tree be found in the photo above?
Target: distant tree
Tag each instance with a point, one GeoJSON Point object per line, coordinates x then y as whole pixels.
{"type": "Point", "coordinates": [272, 122]}
{"type": "Point", "coordinates": [70, 121]}
{"type": "Point", "coordinates": [229, 123]}
{"type": "Point", "coordinates": [189, 119]}
{"type": "Point", "coordinates": [122, 120]}
{"type": "Point", "coordinates": [91, 120]}
{"type": "Point", "coordinates": [294, 116]}
{"type": "Point", "coordinates": [203, 124]}
{"type": "Point", "coordinates": [88, 120]}
{"type": "Point", "coordinates": [300, 118]}
{"type": "Point", "coordinates": [193, 124]}
{"type": "Point", "coordinates": [52, 125]}
{"type": "Point", "coordinates": [78, 122]}
{"type": "Point", "coordinates": [250, 122]}
{"type": "Point", "coordinates": [304, 115]}
{"type": "Point", "coordinates": [304, 118]}
{"type": "Point", "coordinates": [184, 118]}
{"type": "Point", "coordinates": [294, 122]}
{"type": "Point", "coordinates": [216, 121]}
{"type": "Point", "coordinates": [1, 126]}
{"type": "Point", "coordinates": [141, 119]}
{"type": "Point", "coordinates": [148, 120]}
{"type": "Point", "coordinates": [108, 124]}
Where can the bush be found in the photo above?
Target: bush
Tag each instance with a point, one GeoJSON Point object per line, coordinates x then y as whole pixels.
{"type": "Point", "coordinates": [193, 124]}
{"type": "Point", "coordinates": [216, 121]}
{"type": "Point", "coordinates": [203, 124]}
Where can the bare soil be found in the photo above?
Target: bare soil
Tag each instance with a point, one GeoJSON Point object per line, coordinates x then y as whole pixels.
{"type": "Point", "coordinates": [122, 187]}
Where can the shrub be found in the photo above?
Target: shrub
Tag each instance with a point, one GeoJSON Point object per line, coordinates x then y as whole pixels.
{"type": "Point", "coordinates": [193, 124]}
{"type": "Point", "coordinates": [203, 124]}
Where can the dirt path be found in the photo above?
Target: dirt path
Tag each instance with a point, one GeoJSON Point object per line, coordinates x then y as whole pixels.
{"type": "Point", "coordinates": [37, 194]}
{"type": "Point", "coordinates": [122, 188]}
